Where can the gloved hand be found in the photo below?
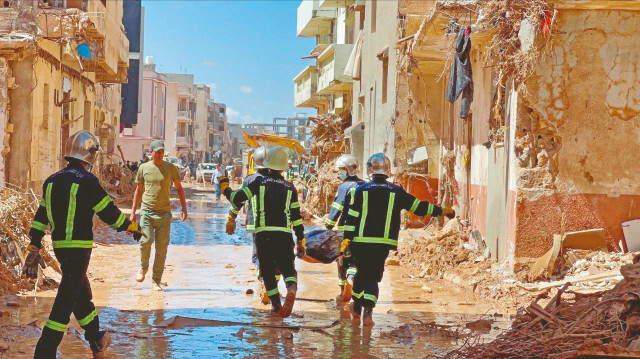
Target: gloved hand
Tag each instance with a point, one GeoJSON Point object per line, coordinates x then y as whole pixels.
{"type": "Point", "coordinates": [344, 248]}
{"type": "Point", "coordinates": [449, 212]}
{"type": "Point", "coordinates": [328, 227]}
{"type": "Point", "coordinates": [224, 183]}
{"type": "Point", "coordinates": [34, 258]}
{"type": "Point", "coordinates": [134, 228]}
{"type": "Point", "coordinates": [301, 248]}
{"type": "Point", "coordinates": [230, 227]}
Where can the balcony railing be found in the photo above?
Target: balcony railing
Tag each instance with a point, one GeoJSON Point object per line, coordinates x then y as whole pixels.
{"type": "Point", "coordinates": [184, 141]}
{"type": "Point", "coordinates": [182, 115]}
{"type": "Point", "coordinates": [336, 3]}
{"type": "Point", "coordinates": [331, 64]}
{"type": "Point", "coordinates": [306, 87]}
{"type": "Point", "coordinates": [186, 91]}
{"type": "Point", "coordinates": [313, 20]}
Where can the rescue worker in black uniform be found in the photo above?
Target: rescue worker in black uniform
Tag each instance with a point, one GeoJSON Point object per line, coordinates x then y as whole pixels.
{"type": "Point", "coordinates": [372, 227]}
{"type": "Point", "coordinates": [261, 171]}
{"type": "Point", "coordinates": [347, 167]}
{"type": "Point", "coordinates": [276, 210]}
{"type": "Point", "coordinates": [70, 199]}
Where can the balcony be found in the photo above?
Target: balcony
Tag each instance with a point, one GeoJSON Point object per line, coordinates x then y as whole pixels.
{"type": "Point", "coordinates": [313, 20]}
{"type": "Point", "coordinates": [185, 116]}
{"type": "Point", "coordinates": [336, 3]}
{"type": "Point", "coordinates": [184, 141]}
{"type": "Point", "coordinates": [306, 86]}
{"type": "Point", "coordinates": [186, 91]}
{"type": "Point", "coordinates": [331, 64]}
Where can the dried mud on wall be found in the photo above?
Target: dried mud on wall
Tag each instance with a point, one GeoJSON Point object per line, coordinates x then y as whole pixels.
{"type": "Point", "coordinates": [584, 103]}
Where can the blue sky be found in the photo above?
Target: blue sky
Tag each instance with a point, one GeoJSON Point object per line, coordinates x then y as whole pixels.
{"type": "Point", "coordinates": [247, 51]}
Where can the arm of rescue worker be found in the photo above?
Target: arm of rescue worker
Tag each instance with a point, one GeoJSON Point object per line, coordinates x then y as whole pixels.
{"type": "Point", "coordinates": [352, 224]}
{"type": "Point", "coordinates": [239, 197]}
{"type": "Point", "coordinates": [40, 221]}
{"type": "Point", "coordinates": [104, 207]}
{"type": "Point", "coordinates": [336, 209]}
{"type": "Point", "coordinates": [418, 207]}
{"type": "Point", "coordinates": [296, 218]}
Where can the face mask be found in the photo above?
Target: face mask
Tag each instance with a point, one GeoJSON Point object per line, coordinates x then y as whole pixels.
{"type": "Point", "coordinates": [343, 174]}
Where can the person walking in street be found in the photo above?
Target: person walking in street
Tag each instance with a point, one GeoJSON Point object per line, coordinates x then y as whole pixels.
{"type": "Point", "coordinates": [261, 171]}
{"type": "Point", "coordinates": [347, 167]}
{"type": "Point", "coordinates": [290, 174]}
{"type": "Point", "coordinates": [154, 180]}
{"type": "Point", "coordinates": [276, 210]}
{"type": "Point", "coordinates": [372, 228]}
{"type": "Point", "coordinates": [215, 179]}
{"type": "Point", "coordinates": [70, 199]}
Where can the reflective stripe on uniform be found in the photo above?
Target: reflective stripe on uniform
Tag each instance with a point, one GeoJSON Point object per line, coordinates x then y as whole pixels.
{"type": "Point", "coordinates": [353, 195]}
{"type": "Point", "coordinates": [352, 271]}
{"type": "Point", "coordinates": [353, 213]}
{"type": "Point", "coordinates": [430, 210]}
{"type": "Point", "coordinates": [329, 221]}
{"type": "Point", "coordinates": [39, 226]}
{"type": "Point", "coordinates": [273, 229]}
{"type": "Point", "coordinates": [102, 204]}
{"type": "Point", "coordinates": [378, 240]}
{"type": "Point", "coordinates": [247, 191]}
{"type": "Point", "coordinates": [342, 282]}
{"type": "Point", "coordinates": [415, 205]}
{"type": "Point", "coordinates": [286, 208]}
{"type": "Point", "coordinates": [72, 244]}
{"type": "Point", "coordinates": [59, 327]}
{"type": "Point", "coordinates": [48, 205]}
{"type": "Point", "coordinates": [297, 222]}
{"type": "Point", "coordinates": [233, 210]}
{"type": "Point", "coordinates": [387, 225]}
{"type": "Point", "coordinates": [357, 295]}
{"type": "Point", "coordinates": [349, 228]}
{"type": "Point", "coordinates": [251, 227]}
{"type": "Point", "coordinates": [337, 206]}
{"type": "Point", "coordinates": [71, 212]}
{"type": "Point", "coordinates": [371, 297]}
{"type": "Point", "coordinates": [291, 279]}
{"type": "Point", "coordinates": [119, 222]}
{"type": "Point", "coordinates": [340, 228]}
{"type": "Point", "coordinates": [365, 205]}
{"type": "Point", "coordinates": [273, 291]}
{"type": "Point", "coordinates": [43, 202]}
{"type": "Point", "coordinates": [262, 220]}
{"type": "Point", "coordinates": [86, 320]}
{"type": "Point", "coordinates": [295, 205]}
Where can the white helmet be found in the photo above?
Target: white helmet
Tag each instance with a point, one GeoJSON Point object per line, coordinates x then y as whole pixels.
{"type": "Point", "coordinates": [258, 157]}
{"type": "Point", "coordinates": [379, 164]}
{"type": "Point", "coordinates": [276, 159]}
{"type": "Point", "coordinates": [82, 146]}
{"type": "Point", "coordinates": [349, 163]}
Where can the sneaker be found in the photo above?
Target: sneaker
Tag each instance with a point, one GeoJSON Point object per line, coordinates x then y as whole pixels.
{"type": "Point", "coordinates": [367, 317]}
{"type": "Point", "coordinates": [156, 287]}
{"type": "Point", "coordinates": [289, 300]}
{"type": "Point", "coordinates": [99, 346]}
{"type": "Point", "coordinates": [140, 275]}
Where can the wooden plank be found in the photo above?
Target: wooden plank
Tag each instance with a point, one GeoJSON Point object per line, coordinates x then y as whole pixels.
{"type": "Point", "coordinates": [590, 239]}
{"type": "Point", "coordinates": [547, 285]}
{"type": "Point", "coordinates": [633, 5]}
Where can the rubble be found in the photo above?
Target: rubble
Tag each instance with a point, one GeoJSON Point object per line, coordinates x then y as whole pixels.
{"type": "Point", "coordinates": [117, 180]}
{"type": "Point", "coordinates": [17, 210]}
{"type": "Point", "coordinates": [605, 323]}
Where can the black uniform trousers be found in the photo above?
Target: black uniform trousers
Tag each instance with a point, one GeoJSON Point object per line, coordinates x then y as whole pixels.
{"type": "Point", "coordinates": [275, 252]}
{"type": "Point", "coordinates": [74, 296]}
{"type": "Point", "coordinates": [369, 260]}
{"type": "Point", "coordinates": [256, 261]}
{"type": "Point", "coordinates": [346, 267]}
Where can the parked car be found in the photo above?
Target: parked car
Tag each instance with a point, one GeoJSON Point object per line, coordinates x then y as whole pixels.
{"type": "Point", "coordinates": [180, 165]}
{"type": "Point", "coordinates": [205, 171]}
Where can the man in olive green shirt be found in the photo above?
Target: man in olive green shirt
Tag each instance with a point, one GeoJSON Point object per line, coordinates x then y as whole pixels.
{"type": "Point", "coordinates": [154, 180]}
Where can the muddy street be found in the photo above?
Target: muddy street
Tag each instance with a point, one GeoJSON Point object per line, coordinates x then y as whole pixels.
{"type": "Point", "coordinates": [210, 276]}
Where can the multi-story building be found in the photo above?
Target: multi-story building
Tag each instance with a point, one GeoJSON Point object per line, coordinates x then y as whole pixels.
{"type": "Point", "coordinates": [220, 144]}
{"type": "Point", "coordinates": [182, 123]}
{"type": "Point", "coordinates": [151, 123]}
{"type": "Point", "coordinates": [201, 127]}
{"type": "Point", "coordinates": [60, 67]}
{"type": "Point", "coordinates": [324, 85]}
{"type": "Point", "coordinates": [133, 21]}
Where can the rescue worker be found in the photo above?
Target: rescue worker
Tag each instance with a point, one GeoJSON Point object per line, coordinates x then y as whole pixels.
{"type": "Point", "coordinates": [290, 174]}
{"type": "Point", "coordinates": [347, 167]}
{"type": "Point", "coordinates": [372, 227]}
{"type": "Point", "coordinates": [70, 199]}
{"type": "Point", "coordinates": [258, 160]}
{"type": "Point", "coordinates": [276, 210]}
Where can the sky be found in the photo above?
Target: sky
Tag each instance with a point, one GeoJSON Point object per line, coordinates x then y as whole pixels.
{"type": "Point", "coordinates": [246, 51]}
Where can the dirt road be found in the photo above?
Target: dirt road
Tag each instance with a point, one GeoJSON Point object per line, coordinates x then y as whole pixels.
{"type": "Point", "coordinates": [208, 275]}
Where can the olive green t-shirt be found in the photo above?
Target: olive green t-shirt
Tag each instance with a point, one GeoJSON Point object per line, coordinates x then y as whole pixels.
{"type": "Point", "coordinates": [157, 182]}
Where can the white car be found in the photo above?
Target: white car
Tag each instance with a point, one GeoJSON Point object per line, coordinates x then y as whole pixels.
{"type": "Point", "coordinates": [205, 171]}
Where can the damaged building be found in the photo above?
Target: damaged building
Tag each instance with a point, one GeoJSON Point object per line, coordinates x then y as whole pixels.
{"type": "Point", "coordinates": [521, 115]}
{"type": "Point", "coordinates": [61, 66]}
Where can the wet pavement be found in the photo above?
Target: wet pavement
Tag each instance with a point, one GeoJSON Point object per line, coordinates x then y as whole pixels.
{"type": "Point", "coordinates": [209, 275]}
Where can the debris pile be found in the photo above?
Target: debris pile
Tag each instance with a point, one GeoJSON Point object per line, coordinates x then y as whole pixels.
{"type": "Point", "coordinates": [327, 143]}
{"type": "Point", "coordinates": [117, 180]}
{"type": "Point", "coordinates": [603, 323]}
{"type": "Point", "coordinates": [16, 214]}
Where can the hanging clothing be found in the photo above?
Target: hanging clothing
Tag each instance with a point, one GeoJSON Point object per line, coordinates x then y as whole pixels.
{"type": "Point", "coordinates": [461, 75]}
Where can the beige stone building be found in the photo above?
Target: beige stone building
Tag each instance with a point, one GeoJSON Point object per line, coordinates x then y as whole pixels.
{"type": "Point", "coordinates": [60, 69]}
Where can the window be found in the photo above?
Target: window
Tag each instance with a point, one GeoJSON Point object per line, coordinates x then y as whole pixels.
{"type": "Point", "coordinates": [385, 72]}
{"type": "Point", "coordinates": [45, 107]}
{"type": "Point", "coordinates": [374, 14]}
{"type": "Point", "coordinates": [361, 24]}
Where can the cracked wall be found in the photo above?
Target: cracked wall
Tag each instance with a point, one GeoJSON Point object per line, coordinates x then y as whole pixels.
{"type": "Point", "coordinates": [587, 95]}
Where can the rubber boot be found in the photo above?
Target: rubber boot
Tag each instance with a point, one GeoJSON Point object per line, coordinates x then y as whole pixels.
{"type": "Point", "coordinates": [289, 300]}
{"type": "Point", "coordinates": [367, 316]}
{"type": "Point", "coordinates": [99, 346]}
{"type": "Point", "coordinates": [356, 309]}
{"type": "Point", "coordinates": [276, 307]}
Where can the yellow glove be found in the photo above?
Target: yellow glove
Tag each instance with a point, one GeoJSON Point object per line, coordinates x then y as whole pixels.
{"type": "Point", "coordinates": [449, 212]}
{"type": "Point", "coordinates": [301, 248]}
{"type": "Point", "coordinates": [133, 227]}
{"type": "Point", "coordinates": [344, 245]}
{"type": "Point", "coordinates": [230, 227]}
{"type": "Point", "coordinates": [224, 183]}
